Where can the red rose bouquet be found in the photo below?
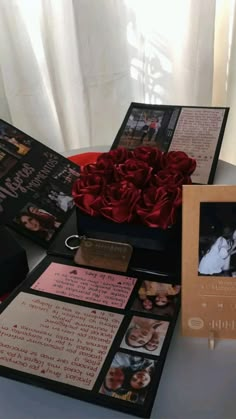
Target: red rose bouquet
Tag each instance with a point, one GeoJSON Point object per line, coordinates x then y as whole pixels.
{"type": "Point", "coordinates": [143, 186]}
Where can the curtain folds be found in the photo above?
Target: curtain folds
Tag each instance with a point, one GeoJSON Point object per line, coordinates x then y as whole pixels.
{"type": "Point", "coordinates": [70, 68]}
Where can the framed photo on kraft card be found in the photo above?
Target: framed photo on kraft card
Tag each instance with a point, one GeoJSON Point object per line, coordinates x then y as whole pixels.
{"type": "Point", "coordinates": [209, 261]}
{"type": "Point", "coordinates": [197, 131]}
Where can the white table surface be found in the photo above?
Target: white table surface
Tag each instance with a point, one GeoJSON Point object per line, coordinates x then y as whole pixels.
{"type": "Point", "coordinates": [196, 383]}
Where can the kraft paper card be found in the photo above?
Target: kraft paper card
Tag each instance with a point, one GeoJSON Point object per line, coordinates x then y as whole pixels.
{"type": "Point", "coordinates": [209, 261]}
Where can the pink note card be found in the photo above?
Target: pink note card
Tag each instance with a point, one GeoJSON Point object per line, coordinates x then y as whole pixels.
{"type": "Point", "coordinates": [86, 285]}
{"type": "Point", "coordinates": [56, 340]}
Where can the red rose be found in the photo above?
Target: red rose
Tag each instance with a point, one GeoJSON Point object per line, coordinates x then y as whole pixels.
{"type": "Point", "coordinates": [169, 177]}
{"type": "Point", "coordinates": [150, 155]}
{"type": "Point", "coordinates": [175, 196]}
{"type": "Point", "coordinates": [178, 161]}
{"type": "Point", "coordinates": [103, 167]}
{"type": "Point", "coordinates": [156, 209]}
{"type": "Point", "coordinates": [86, 190]}
{"type": "Point", "coordinates": [136, 171]}
{"type": "Point", "coordinates": [144, 185]}
{"type": "Point", "coordinates": [119, 155]}
{"type": "Point", "coordinates": [117, 202]}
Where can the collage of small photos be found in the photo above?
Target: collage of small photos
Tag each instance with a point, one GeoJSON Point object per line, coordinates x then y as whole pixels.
{"type": "Point", "coordinates": [94, 335]}
{"type": "Point", "coordinates": [35, 185]}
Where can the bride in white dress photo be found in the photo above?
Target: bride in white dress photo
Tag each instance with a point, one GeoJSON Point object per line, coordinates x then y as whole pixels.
{"type": "Point", "coordinates": [216, 260]}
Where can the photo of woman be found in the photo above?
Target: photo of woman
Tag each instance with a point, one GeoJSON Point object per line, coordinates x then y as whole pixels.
{"type": "Point", "coordinates": [157, 297]}
{"type": "Point", "coordinates": [38, 222]}
{"type": "Point", "coordinates": [13, 141]}
{"type": "Point", "coordinates": [128, 378]}
{"type": "Point", "coordinates": [145, 335]}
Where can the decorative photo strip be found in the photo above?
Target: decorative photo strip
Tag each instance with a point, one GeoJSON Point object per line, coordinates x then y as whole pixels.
{"type": "Point", "coordinates": [77, 331]}
{"type": "Point", "coordinates": [209, 255]}
{"type": "Point", "coordinates": [198, 131]}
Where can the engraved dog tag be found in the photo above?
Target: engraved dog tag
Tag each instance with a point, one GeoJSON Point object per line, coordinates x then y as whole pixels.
{"type": "Point", "coordinates": [104, 254]}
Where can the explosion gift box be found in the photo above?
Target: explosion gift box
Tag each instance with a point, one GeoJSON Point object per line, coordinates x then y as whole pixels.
{"type": "Point", "coordinates": [133, 197]}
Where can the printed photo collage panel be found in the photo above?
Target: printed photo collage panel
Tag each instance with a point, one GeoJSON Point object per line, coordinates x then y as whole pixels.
{"type": "Point", "coordinates": [35, 186]}
{"type": "Point", "coordinates": [198, 131]}
{"type": "Point", "coordinates": [94, 335]}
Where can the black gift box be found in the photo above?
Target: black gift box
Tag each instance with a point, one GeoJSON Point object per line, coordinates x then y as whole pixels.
{"type": "Point", "coordinates": [139, 236]}
{"type": "Point", "coordinates": [154, 250]}
{"type": "Point", "coordinates": [13, 262]}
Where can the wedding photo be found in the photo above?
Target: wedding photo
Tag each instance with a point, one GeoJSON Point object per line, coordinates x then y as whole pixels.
{"type": "Point", "coordinates": [217, 239]}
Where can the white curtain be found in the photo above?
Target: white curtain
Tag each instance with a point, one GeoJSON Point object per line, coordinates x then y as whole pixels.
{"type": "Point", "coordinates": [224, 80]}
{"type": "Point", "coordinates": [69, 69]}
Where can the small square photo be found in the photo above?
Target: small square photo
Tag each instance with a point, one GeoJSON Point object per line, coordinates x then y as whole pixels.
{"type": "Point", "coordinates": [157, 298]}
{"type": "Point", "coordinates": [129, 378]}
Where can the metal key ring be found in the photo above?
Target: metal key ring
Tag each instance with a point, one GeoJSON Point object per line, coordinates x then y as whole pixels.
{"type": "Point", "coordinates": [74, 236]}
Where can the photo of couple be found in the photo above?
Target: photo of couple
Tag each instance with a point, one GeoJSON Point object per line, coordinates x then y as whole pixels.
{"type": "Point", "coordinates": [51, 196]}
{"type": "Point", "coordinates": [145, 335]}
{"type": "Point", "coordinates": [62, 201]}
{"type": "Point", "coordinates": [145, 127]}
{"type": "Point", "coordinates": [129, 378]}
{"type": "Point", "coordinates": [217, 240]}
{"type": "Point", "coordinates": [6, 163]}
{"type": "Point", "coordinates": [157, 298]}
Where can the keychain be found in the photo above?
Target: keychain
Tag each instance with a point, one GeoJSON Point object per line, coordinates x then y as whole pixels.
{"type": "Point", "coordinates": [71, 239]}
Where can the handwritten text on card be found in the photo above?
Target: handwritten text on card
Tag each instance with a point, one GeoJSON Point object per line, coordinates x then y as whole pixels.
{"type": "Point", "coordinates": [86, 285]}
{"type": "Point", "coordinates": [55, 340]}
